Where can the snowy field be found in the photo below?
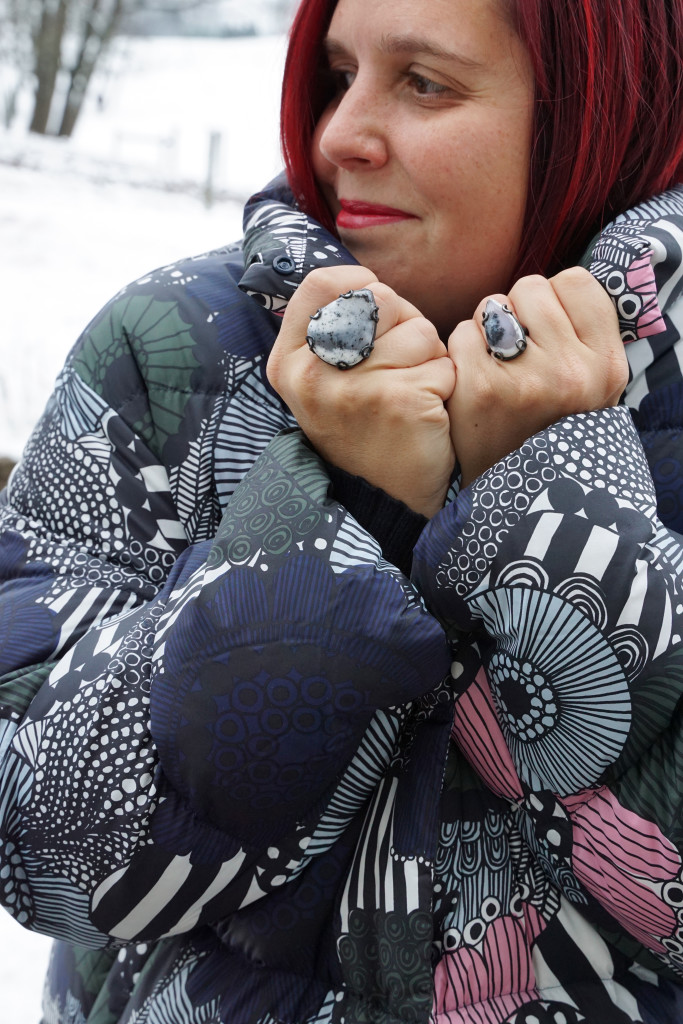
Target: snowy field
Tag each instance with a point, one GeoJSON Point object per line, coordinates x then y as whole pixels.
{"type": "Point", "coordinates": [23, 962]}
{"type": "Point", "coordinates": [73, 231]}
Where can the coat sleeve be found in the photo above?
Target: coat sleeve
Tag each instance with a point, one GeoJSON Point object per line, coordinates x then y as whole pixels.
{"type": "Point", "coordinates": [185, 724]}
{"type": "Point", "coordinates": [555, 567]}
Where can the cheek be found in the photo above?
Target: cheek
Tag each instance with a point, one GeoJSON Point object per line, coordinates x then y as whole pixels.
{"type": "Point", "coordinates": [485, 176]}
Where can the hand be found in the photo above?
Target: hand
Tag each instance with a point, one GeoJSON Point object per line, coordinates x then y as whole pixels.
{"type": "Point", "coordinates": [574, 362]}
{"type": "Point", "coordinates": [384, 419]}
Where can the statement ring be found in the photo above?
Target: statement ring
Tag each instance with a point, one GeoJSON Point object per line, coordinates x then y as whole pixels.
{"type": "Point", "coordinates": [342, 333]}
{"type": "Point", "coordinates": [505, 336]}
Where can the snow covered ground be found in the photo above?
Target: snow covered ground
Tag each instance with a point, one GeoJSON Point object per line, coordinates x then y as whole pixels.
{"type": "Point", "coordinates": [68, 245]}
{"type": "Point", "coordinates": [73, 230]}
{"type": "Point", "coordinates": [23, 962]}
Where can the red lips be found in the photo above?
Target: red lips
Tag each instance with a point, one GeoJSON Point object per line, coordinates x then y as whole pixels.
{"type": "Point", "coordinates": [355, 214]}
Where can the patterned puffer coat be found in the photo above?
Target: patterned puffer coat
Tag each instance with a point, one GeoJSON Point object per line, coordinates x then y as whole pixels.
{"type": "Point", "coordinates": [253, 773]}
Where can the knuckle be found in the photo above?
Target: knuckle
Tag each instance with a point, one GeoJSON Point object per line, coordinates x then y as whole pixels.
{"type": "Point", "coordinates": [274, 366]}
{"type": "Point", "coordinates": [530, 283]}
{"type": "Point", "coordinates": [576, 285]}
{"type": "Point", "coordinates": [426, 329]}
{"type": "Point", "coordinates": [574, 277]}
{"type": "Point", "coordinates": [446, 370]}
{"type": "Point", "coordinates": [321, 281]}
{"type": "Point", "coordinates": [458, 336]}
{"type": "Point", "coordinates": [382, 291]}
{"type": "Point", "coordinates": [532, 296]}
{"type": "Point", "coordinates": [534, 281]}
{"type": "Point", "coordinates": [324, 284]}
{"type": "Point", "coordinates": [466, 341]}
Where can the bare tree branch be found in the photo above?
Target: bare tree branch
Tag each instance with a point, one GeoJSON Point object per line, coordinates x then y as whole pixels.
{"type": "Point", "coordinates": [55, 39]}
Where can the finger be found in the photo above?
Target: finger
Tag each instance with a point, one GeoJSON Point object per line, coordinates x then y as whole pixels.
{"type": "Point", "coordinates": [323, 286]}
{"type": "Point", "coordinates": [409, 396]}
{"type": "Point", "coordinates": [588, 307]}
{"type": "Point", "coordinates": [539, 308]}
{"type": "Point", "coordinates": [409, 343]}
{"type": "Point", "coordinates": [475, 368]}
{"type": "Point", "coordinates": [437, 376]}
{"type": "Point", "coordinates": [596, 324]}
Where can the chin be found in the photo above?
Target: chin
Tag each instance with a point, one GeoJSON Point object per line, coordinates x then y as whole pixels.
{"type": "Point", "coordinates": [401, 277]}
{"type": "Point", "coordinates": [396, 275]}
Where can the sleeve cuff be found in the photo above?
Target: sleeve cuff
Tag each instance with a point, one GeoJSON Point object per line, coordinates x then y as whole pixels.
{"type": "Point", "coordinates": [394, 526]}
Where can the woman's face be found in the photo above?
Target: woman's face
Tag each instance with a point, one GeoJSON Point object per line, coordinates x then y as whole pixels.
{"type": "Point", "coordinates": [423, 155]}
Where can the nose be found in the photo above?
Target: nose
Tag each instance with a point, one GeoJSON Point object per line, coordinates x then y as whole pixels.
{"type": "Point", "coordinates": [352, 131]}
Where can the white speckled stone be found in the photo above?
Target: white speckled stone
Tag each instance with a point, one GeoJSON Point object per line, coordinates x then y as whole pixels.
{"type": "Point", "coordinates": [343, 332]}
{"type": "Point", "coordinates": [504, 333]}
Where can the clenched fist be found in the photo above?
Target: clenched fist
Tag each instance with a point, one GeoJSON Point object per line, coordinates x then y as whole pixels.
{"type": "Point", "coordinates": [385, 418]}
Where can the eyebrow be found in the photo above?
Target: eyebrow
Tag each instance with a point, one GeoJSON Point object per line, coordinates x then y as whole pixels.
{"type": "Point", "coordinates": [409, 44]}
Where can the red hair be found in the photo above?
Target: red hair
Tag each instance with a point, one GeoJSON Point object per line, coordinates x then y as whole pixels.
{"type": "Point", "coordinates": [608, 118]}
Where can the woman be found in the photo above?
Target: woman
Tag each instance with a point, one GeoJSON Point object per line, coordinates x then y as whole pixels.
{"type": "Point", "coordinates": [252, 771]}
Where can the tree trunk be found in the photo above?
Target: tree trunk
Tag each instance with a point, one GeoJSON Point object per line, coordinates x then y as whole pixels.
{"type": "Point", "coordinates": [47, 46]}
{"type": "Point", "coordinates": [74, 101]}
{"type": "Point", "coordinates": [93, 43]}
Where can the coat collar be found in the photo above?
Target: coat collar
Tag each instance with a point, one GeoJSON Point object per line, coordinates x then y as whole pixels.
{"type": "Point", "coordinates": [282, 245]}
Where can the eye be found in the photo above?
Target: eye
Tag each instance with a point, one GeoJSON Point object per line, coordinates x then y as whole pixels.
{"type": "Point", "coordinates": [425, 86]}
{"type": "Point", "coordinates": [341, 79]}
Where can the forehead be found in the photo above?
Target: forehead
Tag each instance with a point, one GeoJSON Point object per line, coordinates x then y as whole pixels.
{"type": "Point", "coordinates": [471, 38]}
{"type": "Point", "coordinates": [442, 27]}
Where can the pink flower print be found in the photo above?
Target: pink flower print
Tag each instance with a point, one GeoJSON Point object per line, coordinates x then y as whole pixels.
{"type": "Point", "coordinates": [627, 863]}
{"type": "Point", "coordinates": [623, 263]}
{"type": "Point", "coordinates": [488, 982]}
{"type": "Point", "coordinates": [640, 280]}
{"type": "Point", "coordinates": [478, 734]}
